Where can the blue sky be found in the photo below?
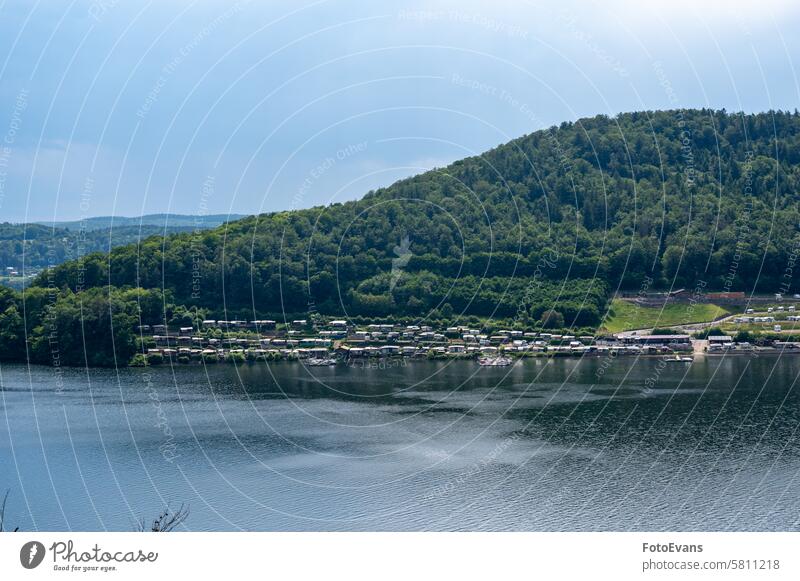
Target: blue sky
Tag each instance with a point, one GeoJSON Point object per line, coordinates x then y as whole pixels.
{"type": "Point", "coordinates": [129, 107]}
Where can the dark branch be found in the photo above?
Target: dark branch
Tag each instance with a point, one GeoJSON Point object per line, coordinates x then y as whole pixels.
{"type": "Point", "coordinates": [165, 522]}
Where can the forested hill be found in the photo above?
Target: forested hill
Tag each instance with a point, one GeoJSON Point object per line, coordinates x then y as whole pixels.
{"type": "Point", "coordinates": [541, 230]}
{"type": "Point", "coordinates": [556, 219]}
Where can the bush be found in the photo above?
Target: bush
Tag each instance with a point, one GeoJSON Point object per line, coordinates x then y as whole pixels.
{"type": "Point", "coordinates": [155, 359]}
{"type": "Point", "coordinates": [234, 358]}
{"type": "Point", "coordinates": [662, 331]}
{"type": "Point", "coordinates": [138, 360]}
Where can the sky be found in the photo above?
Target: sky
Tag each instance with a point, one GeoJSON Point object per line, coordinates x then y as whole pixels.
{"type": "Point", "coordinates": [126, 107]}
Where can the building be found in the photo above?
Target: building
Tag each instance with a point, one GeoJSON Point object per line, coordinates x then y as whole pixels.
{"type": "Point", "coordinates": [388, 350]}
{"type": "Point", "coordinates": [656, 339]}
{"type": "Point", "coordinates": [720, 339]}
{"type": "Point", "coordinates": [726, 296]}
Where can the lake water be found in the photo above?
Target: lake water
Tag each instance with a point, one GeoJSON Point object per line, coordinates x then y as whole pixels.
{"type": "Point", "coordinates": [566, 444]}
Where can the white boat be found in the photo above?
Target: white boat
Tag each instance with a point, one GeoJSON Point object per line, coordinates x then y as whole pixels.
{"type": "Point", "coordinates": [679, 359]}
{"type": "Point", "coordinates": [318, 362]}
{"type": "Point", "coordinates": [495, 361]}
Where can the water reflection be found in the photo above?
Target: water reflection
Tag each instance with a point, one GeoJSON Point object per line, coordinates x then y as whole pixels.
{"type": "Point", "coordinates": [561, 444]}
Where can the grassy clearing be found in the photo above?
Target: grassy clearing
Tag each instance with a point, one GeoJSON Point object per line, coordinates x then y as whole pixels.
{"type": "Point", "coordinates": [757, 328]}
{"type": "Point", "coordinates": [626, 315]}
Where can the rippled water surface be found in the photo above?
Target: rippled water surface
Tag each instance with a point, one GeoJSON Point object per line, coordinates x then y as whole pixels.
{"type": "Point", "coordinates": [559, 445]}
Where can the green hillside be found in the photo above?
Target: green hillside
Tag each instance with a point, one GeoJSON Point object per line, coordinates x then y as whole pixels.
{"type": "Point", "coordinates": [555, 220]}
{"type": "Point", "coordinates": [627, 315]}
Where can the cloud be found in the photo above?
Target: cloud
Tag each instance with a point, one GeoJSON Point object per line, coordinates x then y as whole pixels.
{"type": "Point", "coordinates": [717, 15]}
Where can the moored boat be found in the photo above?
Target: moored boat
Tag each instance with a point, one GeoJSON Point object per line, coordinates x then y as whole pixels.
{"type": "Point", "coordinates": [320, 362]}
{"type": "Point", "coordinates": [498, 361]}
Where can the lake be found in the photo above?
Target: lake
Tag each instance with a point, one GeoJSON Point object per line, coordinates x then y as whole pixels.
{"type": "Point", "coordinates": [562, 444]}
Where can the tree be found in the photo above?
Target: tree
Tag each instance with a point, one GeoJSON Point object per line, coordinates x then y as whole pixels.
{"type": "Point", "coordinates": [94, 328]}
{"type": "Point", "coordinates": [12, 335]}
{"type": "Point", "coordinates": [551, 319]}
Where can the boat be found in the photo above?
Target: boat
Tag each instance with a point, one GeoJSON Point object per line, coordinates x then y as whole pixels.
{"type": "Point", "coordinates": [320, 362]}
{"type": "Point", "coordinates": [495, 361]}
{"type": "Point", "coordinates": [679, 359]}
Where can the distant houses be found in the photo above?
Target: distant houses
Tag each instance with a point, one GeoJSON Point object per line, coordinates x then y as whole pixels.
{"type": "Point", "coordinates": [344, 340]}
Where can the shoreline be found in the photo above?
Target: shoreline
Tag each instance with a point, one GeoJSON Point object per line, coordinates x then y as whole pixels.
{"type": "Point", "coordinates": [403, 361]}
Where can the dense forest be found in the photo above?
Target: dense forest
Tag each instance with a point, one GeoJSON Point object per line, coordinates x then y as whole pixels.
{"type": "Point", "coordinates": [555, 221]}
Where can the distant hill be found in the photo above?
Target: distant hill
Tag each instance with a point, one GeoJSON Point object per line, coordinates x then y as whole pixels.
{"type": "Point", "coordinates": [160, 220]}
{"type": "Point", "coordinates": [40, 244]}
